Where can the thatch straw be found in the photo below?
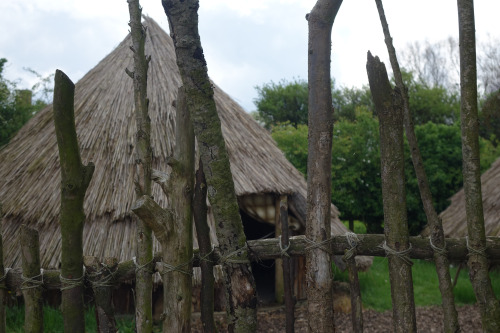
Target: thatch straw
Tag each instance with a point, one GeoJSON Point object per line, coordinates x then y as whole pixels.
{"type": "Point", "coordinates": [30, 176]}
{"type": "Point", "coordinates": [454, 217]}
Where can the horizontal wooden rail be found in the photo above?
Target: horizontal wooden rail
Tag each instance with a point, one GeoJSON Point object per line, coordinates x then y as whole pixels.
{"type": "Point", "coordinates": [264, 249]}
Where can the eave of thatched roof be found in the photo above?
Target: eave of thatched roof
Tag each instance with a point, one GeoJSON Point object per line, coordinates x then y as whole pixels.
{"type": "Point", "coordinates": [105, 122]}
{"type": "Point", "coordinates": [454, 217]}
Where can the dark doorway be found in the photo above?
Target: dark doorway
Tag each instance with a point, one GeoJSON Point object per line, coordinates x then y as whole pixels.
{"type": "Point", "coordinates": [263, 271]}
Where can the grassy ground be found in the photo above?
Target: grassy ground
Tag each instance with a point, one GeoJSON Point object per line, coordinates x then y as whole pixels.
{"type": "Point", "coordinates": [53, 321]}
{"type": "Point", "coordinates": [376, 289]}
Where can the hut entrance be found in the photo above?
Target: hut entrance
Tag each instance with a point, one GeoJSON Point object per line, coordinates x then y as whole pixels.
{"type": "Point", "coordinates": [263, 271]}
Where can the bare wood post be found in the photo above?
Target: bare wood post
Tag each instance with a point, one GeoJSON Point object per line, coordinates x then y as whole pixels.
{"type": "Point", "coordinates": [478, 261]}
{"type": "Point", "coordinates": [143, 171]}
{"type": "Point", "coordinates": [32, 280]}
{"type": "Point", "coordinates": [286, 266]}
{"type": "Point", "coordinates": [318, 261]}
{"type": "Point", "coordinates": [101, 278]}
{"type": "Point", "coordinates": [206, 257]}
{"type": "Point", "coordinates": [239, 282]}
{"type": "Point", "coordinates": [389, 106]}
{"type": "Point", "coordinates": [75, 181]}
{"type": "Point", "coordinates": [437, 235]}
{"type": "Point", "coordinates": [356, 303]}
{"type": "Point", "coordinates": [279, 288]}
{"type": "Point", "coordinates": [3, 287]}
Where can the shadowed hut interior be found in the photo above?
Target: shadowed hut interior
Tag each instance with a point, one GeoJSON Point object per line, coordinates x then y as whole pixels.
{"type": "Point", "coordinates": [105, 124]}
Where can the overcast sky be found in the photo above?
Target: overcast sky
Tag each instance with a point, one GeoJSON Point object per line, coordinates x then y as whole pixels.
{"type": "Point", "coordinates": [246, 42]}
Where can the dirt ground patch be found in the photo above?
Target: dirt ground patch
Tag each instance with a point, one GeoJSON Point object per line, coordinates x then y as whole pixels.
{"type": "Point", "coordinates": [429, 319]}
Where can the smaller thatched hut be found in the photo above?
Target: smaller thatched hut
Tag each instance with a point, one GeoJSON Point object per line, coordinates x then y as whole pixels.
{"type": "Point", "coordinates": [454, 217]}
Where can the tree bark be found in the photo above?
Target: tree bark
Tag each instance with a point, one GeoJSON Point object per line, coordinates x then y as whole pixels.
{"type": "Point", "coordinates": [207, 263]}
{"type": "Point", "coordinates": [101, 277]}
{"type": "Point", "coordinates": [388, 104]}
{"type": "Point", "coordinates": [143, 170]}
{"type": "Point", "coordinates": [436, 228]}
{"type": "Point", "coordinates": [478, 261]}
{"type": "Point", "coordinates": [286, 263]}
{"type": "Point", "coordinates": [178, 245]}
{"type": "Point", "coordinates": [3, 287]}
{"type": "Point", "coordinates": [318, 261]}
{"type": "Point", "coordinates": [75, 179]}
{"type": "Point", "coordinates": [240, 285]}
{"type": "Point", "coordinates": [32, 280]}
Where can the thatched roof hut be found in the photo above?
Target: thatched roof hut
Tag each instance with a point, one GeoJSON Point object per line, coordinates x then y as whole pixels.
{"type": "Point", "coordinates": [454, 217]}
{"type": "Point", "coordinates": [105, 123]}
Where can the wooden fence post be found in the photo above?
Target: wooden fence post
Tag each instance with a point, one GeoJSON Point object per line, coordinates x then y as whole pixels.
{"type": "Point", "coordinates": [32, 278]}
{"type": "Point", "coordinates": [143, 170]}
{"type": "Point", "coordinates": [388, 103]}
{"type": "Point", "coordinates": [100, 275]}
{"type": "Point", "coordinates": [356, 304]}
{"type": "Point", "coordinates": [286, 263]}
{"type": "Point", "coordinates": [75, 179]}
{"type": "Point", "coordinates": [3, 287]}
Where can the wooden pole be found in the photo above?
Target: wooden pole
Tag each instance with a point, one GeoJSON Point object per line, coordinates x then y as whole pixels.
{"type": "Point", "coordinates": [319, 274]}
{"type": "Point", "coordinates": [206, 253]}
{"type": "Point", "coordinates": [388, 104]}
{"type": "Point", "coordinates": [3, 288]}
{"type": "Point", "coordinates": [355, 290]}
{"type": "Point", "coordinates": [286, 266]}
{"type": "Point", "coordinates": [241, 296]}
{"type": "Point", "coordinates": [143, 171]}
{"type": "Point", "coordinates": [279, 288]}
{"type": "Point", "coordinates": [32, 277]}
{"type": "Point", "coordinates": [100, 275]}
{"type": "Point", "coordinates": [75, 179]}
{"type": "Point", "coordinates": [436, 228]}
{"type": "Point", "coordinates": [478, 261]}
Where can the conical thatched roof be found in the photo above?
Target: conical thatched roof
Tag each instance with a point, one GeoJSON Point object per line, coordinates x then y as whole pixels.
{"type": "Point", "coordinates": [454, 217]}
{"type": "Point", "coordinates": [105, 122]}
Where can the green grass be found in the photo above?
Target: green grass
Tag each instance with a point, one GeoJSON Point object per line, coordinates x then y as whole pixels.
{"type": "Point", "coordinates": [376, 289]}
{"type": "Point", "coordinates": [359, 227]}
{"type": "Point", "coordinates": [53, 321]}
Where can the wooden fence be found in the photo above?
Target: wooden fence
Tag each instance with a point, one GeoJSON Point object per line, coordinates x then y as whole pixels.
{"type": "Point", "coordinates": [104, 274]}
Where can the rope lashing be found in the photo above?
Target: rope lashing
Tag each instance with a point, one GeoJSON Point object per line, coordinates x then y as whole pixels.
{"type": "Point", "coordinates": [353, 241]}
{"type": "Point", "coordinates": [32, 282]}
{"type": "Point", "coordinates": [284, 250]}
{"type": "Point", "coordinates": [438, 250]}
{"type": "Point", "coordinates": [97, 280]}
{"type": "Point", "coordinates": [233, 257]}
{"type": "Point", "coordinates": [403, 255]}
{"type": "Point", "coordinates": [206, 256]}
{"type": "Point", "coordinates": [318, 245]}
{"type": "Point", "coordinates": [166, 268]}
{"type": "Point", "coordinates": [480, 252]}
{"type": "Point", "coordinates": [141, 267]}
{"type": "Point", "coordinates": [72, 283]}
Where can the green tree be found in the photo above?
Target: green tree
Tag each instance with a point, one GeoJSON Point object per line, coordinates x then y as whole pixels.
{"type": "Point", "coordinates": [441, 150]}
{"type": "Point", "coordinates": [282, 102]}
{"type": "Point", "coordinates": [431, 103]}
{"type": "Point", "coordinates": [489, 118]}
{"type": "Point", "coordinates": [16, 107]}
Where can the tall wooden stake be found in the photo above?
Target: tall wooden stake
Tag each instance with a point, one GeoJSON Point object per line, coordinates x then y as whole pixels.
{"type": "Point", "coordinates": [389, 106]}
{"type": "Point", "coordinates": [143, 171]}
{"type": "Point", "coordinates": [319, 275]}
{"type": "Point", "coordinates": [239, 282]}
{"type": "Point", "coordinates": [437, 235]}
{"type": "Point", "coordinates": [478, 261]}
{"type": "Point", "coordinates": [32, 280]}
{"type": "Point", "coordinates": [75, 179]}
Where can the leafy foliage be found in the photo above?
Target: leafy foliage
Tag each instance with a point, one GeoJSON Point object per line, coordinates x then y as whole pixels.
{"type": "Point", "coordinates": [16, 107]}
{"type": "Point", "coordinates": [282, 102]}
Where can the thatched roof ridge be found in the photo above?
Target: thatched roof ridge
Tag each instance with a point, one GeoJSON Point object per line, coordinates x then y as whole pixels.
{"type": "Point", "coordinates": [105, 122]}
{"type": "Point", "coordinates": [454, 217]}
